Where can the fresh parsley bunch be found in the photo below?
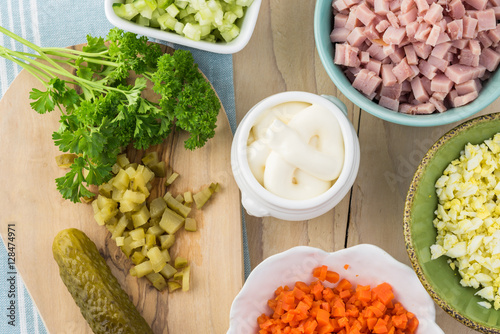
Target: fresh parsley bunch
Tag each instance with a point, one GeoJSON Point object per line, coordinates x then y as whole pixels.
{"type": "Point", "coordinates": [101, 114]}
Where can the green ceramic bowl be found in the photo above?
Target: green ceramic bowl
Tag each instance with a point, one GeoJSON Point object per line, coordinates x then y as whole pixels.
{"type": "Point", "coordinates": [442, 283]}
{"type": "Point", "coordinates": [323, 18]}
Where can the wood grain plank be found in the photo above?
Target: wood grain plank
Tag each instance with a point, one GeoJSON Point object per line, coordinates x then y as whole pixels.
{"type": "Point", "coordinates": [287, 61]}
{"type": "Point", "coordinates": [30, 201]}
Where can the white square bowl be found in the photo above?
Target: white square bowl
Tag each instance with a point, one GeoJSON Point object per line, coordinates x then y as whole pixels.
{"type": "Point", "coordinates": [246, 24]}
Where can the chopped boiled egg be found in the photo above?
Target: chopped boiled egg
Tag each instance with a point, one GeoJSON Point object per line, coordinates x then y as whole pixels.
{"type": "Point", "coordinates": [468, 219]}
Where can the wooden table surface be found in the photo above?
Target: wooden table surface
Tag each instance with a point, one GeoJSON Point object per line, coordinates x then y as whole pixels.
{"type": "Point", "coordinates": [281, 56]}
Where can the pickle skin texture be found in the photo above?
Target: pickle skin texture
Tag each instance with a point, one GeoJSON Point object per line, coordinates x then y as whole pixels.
{"type": "Point", "coordinates": [103, 303]}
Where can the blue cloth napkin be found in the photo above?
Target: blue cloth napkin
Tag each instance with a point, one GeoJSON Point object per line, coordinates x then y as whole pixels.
{"type": "Point", "coordinates": [65, 23]}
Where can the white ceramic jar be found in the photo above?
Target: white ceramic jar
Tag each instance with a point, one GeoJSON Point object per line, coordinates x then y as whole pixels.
{"type": "Point", "coordinates": [260, 202]}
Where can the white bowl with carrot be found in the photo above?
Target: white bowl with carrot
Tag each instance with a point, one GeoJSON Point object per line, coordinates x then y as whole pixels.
{"type": "Point", "coordinates": [312, 290]}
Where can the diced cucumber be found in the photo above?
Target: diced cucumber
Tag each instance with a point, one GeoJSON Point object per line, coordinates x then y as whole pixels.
{"type": "Point", "coordinates": [172, 10]}
{"type": "Point", "coordinates": [164, 3]}
{"type": "Point", "coordinates": [140, 5]}
{"type": "Point", "coordinates": [192, 31]}
{"type": "Point", "coordinates": [147, 12]}
{"type": "Point", "coordinates": [151, 4]}
{"type": "Point", "coordinates": [167, 22]}
{"type": "Point", "coordinates": [181, 3]}
{"type": "Point", "coordinates": [125, 11]}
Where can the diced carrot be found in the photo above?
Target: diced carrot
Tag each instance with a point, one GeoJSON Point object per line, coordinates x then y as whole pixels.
{"type": "Point", "coordinates": [380, 326]}
{"type": "Point", "coordinates": [316, 309]}
{"type": "Point", "coordinates": [332, 276]}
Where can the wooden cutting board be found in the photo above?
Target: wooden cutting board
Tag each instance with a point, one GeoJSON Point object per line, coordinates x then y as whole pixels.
{"type": "Point", "coordinates": [31, 204]}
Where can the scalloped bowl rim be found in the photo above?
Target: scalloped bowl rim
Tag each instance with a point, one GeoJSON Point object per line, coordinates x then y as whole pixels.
{"type": "Point", "coordinates": [247, 27]}
{"type": "Point", "coordinates": [489, 93]}
{"type": "Point", "coordinates": [296, 264]}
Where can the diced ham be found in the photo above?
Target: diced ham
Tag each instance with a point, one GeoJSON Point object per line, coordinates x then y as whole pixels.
{"type": "Point", "coordinates": [408, 17]}
{"type": "Point", "coordinates": [456, 9]}
{"type": "Point", "coordinates": [411, 29]}
{"type": "Point", "coordinates": [470, 25]}
{"type": "Point", "coordinates": [356, 37]}
{"type": "Point", "coordinates": [489, 59]}
{"type": "Point", "coordinates": [439, 105]}
{"type": "Point", "coordinates": [440, 63]}
{"type": "Point", "coordinates": [388, 78]}
{"type": "Point", "coordinates": [352, 20]}
{"type": "Point", "coordinates": [371, 33]}
{"type": "Point", "coordinates": [468, 87]}
{"type": "Point", "coordinates": [392, 92]}
{"type": "Point", "coordinates": [441, 50]}
{"type": "Point", "coordinates": [386, 102]}
{"type": "Point", "coordinates": [423, 109]}
{"type": "Point", "coordinates": [376, 51]}
{"type": "Point", "coordinates": [486, 20]}
{"type": "Point", "coordinates": [422, 50]}
{"type": "Point", "coordinates": [393, 19]}
{"type": "Point", "coordinates": [428, 70]}
{"type": "Point", "coordinates": [486, 42]}
{"type": "Point", "coordinates": [339, 21]}
{"type": "Point", "coordinates": [402, 71]}
{"type": "Point", "coordinates": [374, 66]}
{"type": "Point", "coordinates": [433, 35]}
{"type": "Point", "coordinates": [434, 14]}
{"type": "Point", "coordinates": [364, 57]}
{"type": "Point", "coordinates": [422, 6]}
{"type": "Point", "coordinates": [407, 5]}
{"type": "Point", "coordinates": [411, 55]}
{"type": "Point", "coordinates": [494, 35]}
{"type": "Point", "coordinates": [339, 35]}
{"type": "Point", "coordinates": [477, 4]}
{"type": "Point", "coordinates": [366, 82]}
{"type": "Point", "coordinates": [466, 57]}
{"type": "Point", "coordinates": [418, 90]}
{"type": "Point", "coordinates": [365, 14]}
{"type": "Point", "coordinates": [339, 5]}
{"type": "Point", "coordinates": [382, 25]}
{"type": "Point", "coordinates": [398, 55]}
{"type": "Point", "coordinates": [381, 7]}
{"type": "Point", "coordinates": [462, 100]}
{"type": "Point", "coordinates": [461, 73]}
{"type": "Point", "coordinates": [455, 29]}
{"type": "Point", "coordinates": [417, 56]}
{"type": "Point", "coordinates": [441, 83]}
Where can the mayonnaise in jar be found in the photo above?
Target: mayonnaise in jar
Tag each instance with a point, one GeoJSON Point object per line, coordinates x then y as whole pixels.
{"type": "Point", "coordinates": [296, 150]}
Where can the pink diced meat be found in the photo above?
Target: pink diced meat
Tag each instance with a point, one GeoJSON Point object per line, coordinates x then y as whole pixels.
{"type": "Point", "coordinates": [339, 35]}
{"type": "Point", "coordinates": [468, 87]}
{"type": "Point", "coordinates": [418, 90]}
{"type": "Point", "coordinates": [441, 83]}
{"type": "Point", "coordinates": [489, 59]}
{"type": "Point", "coordinates": [434, 14]}
{"type": "Point", "coordinates": [394, 35]}
{"type": "Point", "coordinates": [477, 4]}
{"type": "Point", "coordinates": [402, 71]}
{"type": "Point", "coordinates": [365, 14]}
{"type": "Point", "coordinates": [417, 56]}
{"type": "Point", "coordinates": [486, 20]}
{"type": "Point", "coordinates": [356, 37]}
{"type": "Point", "coordinates": [366, 82]}
{"type": "Point", "coordinates": [459, 73]}
{"type": "Point", "coordinates": [386, 102]}
{"type": "Point", "coordinates": [388, 78]}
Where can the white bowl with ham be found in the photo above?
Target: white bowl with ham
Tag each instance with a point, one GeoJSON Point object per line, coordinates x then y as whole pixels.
{"type": "Point", "coordinates": [409, 62]}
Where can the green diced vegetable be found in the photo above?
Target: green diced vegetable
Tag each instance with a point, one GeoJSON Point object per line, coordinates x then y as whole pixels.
{"type": "Point", "coordinates": [125, 11]}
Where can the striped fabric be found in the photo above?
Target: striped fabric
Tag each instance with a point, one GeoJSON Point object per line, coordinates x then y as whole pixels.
{"type": "Point", "coordinates": [62, 23]}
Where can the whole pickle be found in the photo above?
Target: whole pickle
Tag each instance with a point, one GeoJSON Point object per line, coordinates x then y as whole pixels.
{"type": "Point", "coordinates": [104, 304]}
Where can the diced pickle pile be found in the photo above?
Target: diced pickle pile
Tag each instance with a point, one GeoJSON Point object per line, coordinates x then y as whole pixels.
{"type": "Point", "coordinates": [208, 20]}
{"type": "Point", "coordinates": [145, 230]}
